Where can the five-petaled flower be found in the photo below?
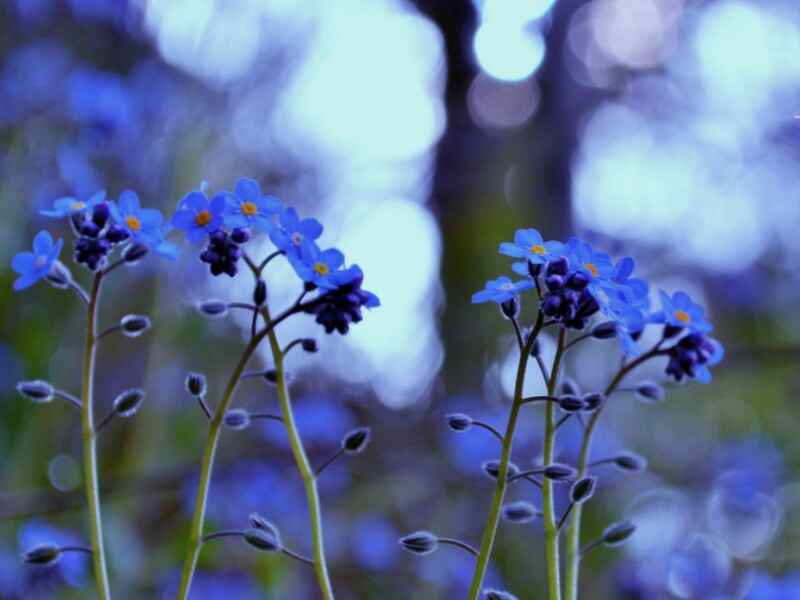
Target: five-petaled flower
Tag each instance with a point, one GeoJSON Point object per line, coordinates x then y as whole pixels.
{"type": "Point", "coordinates": [248, 208]}
{"type": "Point", "coordinates": [582, 256]}
{"type": "Point", "coordinates": [530, 245]}
{"type": "Point", "coordinates": [68, 206]}
{"type": "Point", "coordinates": [681, 312]}
{"type": "Point", "coordinates": [294, 232]}
{"type": "Point", "coordinates": [143, 224]}
{"type": "Point", "coordinates": [501, 290]}
{"type": "Point", "coordinates": [33, 266]}
{"type": "Point", "coordinates": [198, 216]}
{"type": "Point", "coordinates": [317, 266]}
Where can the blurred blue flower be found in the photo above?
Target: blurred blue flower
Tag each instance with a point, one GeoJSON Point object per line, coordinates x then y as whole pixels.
{"type": "Point", "coordinates": [248, 208]}
{"type": "Point", "coordinates": [317, 266]}
{"type": "Point", "coordinates": [501, 290]}
{"type": "Point", "coordinates": [588, 260]}
{"type": "Point", "coordinates": [530, 245]}
{"type": "Point", "coordinates": [375, 542]}
{"type": "Point", "coordinates": [67, 206]}
{"type": "Point", "coordinates": [680, 311]}
{"type": "Point", "coordinates": [217, 586]}
{"type": "Point", "coordinates": [197, 216]}
{"type": "Point", "coordinates": [700, 570]}
{"type": "Point", "coordinates": [294, 233]}
{"type": "Point", "coordinates": [12, 577]}
{"type": "Point", "coordinates": [321, 420]}
{"type": "Point", "coordinates": [33, 266]}
{"type": "Point", "coordinates": [72, 568]}
{"type": "Point", "coordinates": [766, 587]}
{"type": "Point", "coordinates": [32, 78]}
{"type": "Point", "coordinates": [143, 224]}
{"type": "Point", "coordinates": [101, 101]}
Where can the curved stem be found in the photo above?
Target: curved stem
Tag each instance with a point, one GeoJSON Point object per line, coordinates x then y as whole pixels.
{"type": "Point", "coordinates": [303, 465]}
{"type": "Point", "coordinates": [330, 461]}
{"type": "Point", "coordinates": [574, 529]}
{"type": "Point", "coordinates": [490, 531]}
{"type": "Point", "coordinates": [90, 445]}
{"type": "Point", "coordinates": [490, 428]}
{"type": "Point", "coordinates": [459, 544]}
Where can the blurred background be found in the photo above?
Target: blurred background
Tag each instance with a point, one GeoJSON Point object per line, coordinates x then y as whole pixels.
{"type": "Point", "coordinates": [421, 133]}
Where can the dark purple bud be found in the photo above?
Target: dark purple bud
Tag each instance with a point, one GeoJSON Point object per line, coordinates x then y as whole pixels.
{"type": "Point", "coordinates": [605, 330]}
{"type": "Point", "coordinates": [134, 253]}
{"type": "Point", "coordinates": [618, 533]}
{"type": "Point", "coordinates": [588, 306]}
{"type": "Point", "coordinates": [577, 281]}
{"type": "Point", "coordinates": [44, 555]}
{"type": "Point", "coordinates": [583, 489]}
{"type": "Point", "coordinates": [134, 325]}
{"type": "Point", "coordinates": [117, 234]}
{"type": "Point", "coordinates": [37, 391]}
{"type": "Point", "coordinates": [490, 594]}
{"type": "Point", "coordinates": [459, 422]}
{"type": "Point", "coordinates": [420, 542]}
{"type": "Point", "coordinates": [216, 309]}
{"type": "Point", "coordinates": [262, 540]}
{"type": "Point", "coordinates": [534, 269]}
{"type": "Point", "coordinates": [355, 441]}
{"type": "Point", "coordinates": [593, 401]}
{"type": "Point", "coordinates": [628, 461]}
{"type": "Point", "coordinates": [568, 387]}
{"type": "Point", "coordinates": [510, 308]}
{"type": "Point", "coordinates": [260, 293]}
{"type": "Point", "coordinates": [241, 235]}
{"type": "Point", "coordinates": [520, 512]}
{"type": "Point", "coordinates": [551, 305]}
{"type": "Point", "coordinates": [571, 404]}
{"type": "Point", "coordinates": [670, 331]}
{"type": "Point", "coordinates": [128, 402]}
{"type": "Point", "coordinates": [100, 214]}
{"type": "Point", "coordinates": [236, 419]}
{"type": "Point", "coordinates": [649, 391]}
{"type": "Point", "coordinates": [309, 345]}
{"type": "Point", "coordinates": [554, 282]}
{"type": "Point", "coordinates": [89, 229]}
{"type": "Point", "coordinates": [492, 469]}
{"type": "Point", "coordinates": [196, 385]}
{"type": "Point", "coordinates": [559, 472]}
{"type": "Point", "coordinates": [558, 266]}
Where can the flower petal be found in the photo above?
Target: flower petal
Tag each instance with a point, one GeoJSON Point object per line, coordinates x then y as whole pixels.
{"type": "Point", "coordinates": [248, 189]}
{"type": "Point", "coordinates": [42, 243]}
{"type": "Point", "coordinates": [129, 202]}
{"type": "Point", "coordinates": [23, 262]}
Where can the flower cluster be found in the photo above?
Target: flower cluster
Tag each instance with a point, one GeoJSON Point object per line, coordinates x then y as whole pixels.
{"type": "Point", "coordinates": [578, 285]}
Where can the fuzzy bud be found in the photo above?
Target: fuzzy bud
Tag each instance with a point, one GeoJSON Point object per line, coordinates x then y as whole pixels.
{"type": "Point", "coordinates": [491, 594]}
{"type": "Point", "coordinates": [134, 253]}
{"type": "Point", "coordinates": [420, 542]}
{"type": "Point", "coordinates": [593, 401]}
{"type": "Point", "coordinates": [520, 512]}
{"type": "Point", "coordinates": [262, 540]}
{"type": "Point", "coordinates": [604, 331]}
{"type": "Point", "coordinates": [259, 522]}
{"type": "Point", "coordinates": [459, 422]}
{"type": "Point", "coordinates": [215, 309]}
{"type": "Point", "coordinates": [492, 469]}
{"type": "Point", "coordinates": [628, 461]}
{"type": "Point", "coordinates": [309, 345]}
{"type": "Point", "coordinates": [568, 387]}
{"type": "Point", "coordinates": [236, 419]}
{"type": "Point", "coordinates": [583, 489]}
{"type": "Point", "coordinates": [510, 308]}
{"type": "Point", "coordinates": [648, 391]}
{"type": "Point", "coordinates": [128, 402]}
{"type": "Point", "coordinates": [618, 533]}
{"type": "Point", "coordinates": [260, 293]}
{"type": "Point", "coordinates": [37, 391]}
{"type": "Point", "coordinates": [134, 325]}
{"type": "Point", "coordinates": [44, 555]}
{"type": "Point", "coordinates": [196, 384]}
{"type": "Point", "coordinates": [559, 472]}
{"type": "Point", "coordinates": [571, 404]}
{"type": "Point", "coordinates": [356, 441]}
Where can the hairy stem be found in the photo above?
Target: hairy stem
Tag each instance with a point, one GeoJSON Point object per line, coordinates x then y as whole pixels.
{"type": "Point", "coordinates": [90, 445]}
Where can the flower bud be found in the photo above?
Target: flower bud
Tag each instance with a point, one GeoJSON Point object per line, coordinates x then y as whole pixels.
{"type": "Point", "coordinates": [511, 307]}
{"type": "Point", "coordinates": [215, 309]}
{"type": "Point", "coordinates": [259, 522]}
{"type": "Point", "coordinates": [356, 440]}
{"type": "Point", "coordinates": [628, 461]}
{"type": "Point", "coordinates": [648, 391]}
{"type": "Point", "coordinates": [536, 348]}
{"type": "Point", "coordinates": [534, 269]}
{"type": "Point", "coordinates": [605, 330]}
{"type": "Point", "coordinates": [593, 401]}
{"type": "Point", "coordinates": [128, 402]}
{"type": "Point", "coordinates": [59, 276]}
{"type": "Point", "coordinates": [420, 542]}
{"type": "Point", "coordinates": [618, 533]}
{"type": "Point", "coordinates": [568, 387]}
{"type": "Point", "coordinates": [100, 214]}
{"type": "Point", "coordinates": [260, 293]}
{"type": "Point", "coordinates": [134, 325]}
{"type": "Point", "coordinates": [492, 469]}
{"type": "Point", "coordinates": [196, 384]}
{"type": "Point", "coordinates": [236, 419]}
{"type": "Point", "coordinates": [134, 253]}
{"type": "Point", "coordinates": [309, 345]}
{"type": "Point", "coordinates": [551, 305]}
{"type": "Point", "coordinates": [670, 331]}
{"type": "Point", "coordinates": [262, 539]}
{"type": "Point", "coordinates": [559, 472]}
{"type": "Point", "coordinates": [519, 512]}
{"type": "Point", "coordinates": [241, 235]}
{"type": "Point", "coordinates": [491, 594]}
{"type": "Point", "coordinates": [459, 422]}
{"type": "Point", "coordinates": [37, 391]}
{"type": "Point", "coordinates": [116, 234]}
{"type": "Point", "coordinates": [571, 404]}
{"type": "Point", "coordinates": [44, 555]}
{"type": "Point", "coordinates": [583, 489]}
{"type": "Point", "coordinates": [557, 266]}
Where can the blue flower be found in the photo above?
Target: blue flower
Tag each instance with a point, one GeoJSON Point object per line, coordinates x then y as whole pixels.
{"type": "Point", "coordinates": [530, 245]}
{"type": "Point", "coordinates": [626, 301]}
{"type": "Point", "coordinates": [583, 257]}
{"type": "Point", "coordinates": [33, 266]}
{"type": "Point", "coordinates": [501, 290]}
{"type": "Point", "coordinates": [294, 233]}
{"type": "Point", "coordinates": [197, 216]}
{"type": "Point", "coordinates": [317, 266]}
{"type": "Point", "coordinates": [248, 208]}
{"type": "Point", "coordinates": [68, 206]}
{"type": "Point", "coordinates": [339, 308]}
{"type": "Point", "coordinates": [681, 312]}
{"type": "Point", "coordinates": [143, 224]}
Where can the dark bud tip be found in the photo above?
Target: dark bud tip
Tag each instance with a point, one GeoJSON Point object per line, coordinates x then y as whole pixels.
{"type": "Point", "coordinates": [568, 387]}
{"type": "Point", "coordinates": [559, 473]}
{"type": "Point", "coordinates": [309, 286]}
{"type": "Point", "coordinates": [309, 345]}
{"type": "Point", "coordinates": [534, 269]}
{"type": "Point", "coordinates": [357, 440]}
{"type": "Point", "coordinates": [37, 391]}
{"type": "Point", "coordinates": [236, 419]}
{"type": "Point", "coordinates": [628, 461]}
{"type": "Point", "coordinates": [196, 384]}
{"type": "Point", "coordinates": [59, 276]}
{"type": "Point", "coordinates": [650, 392]}
{"type": "Point", "coordinates": [670, 331]}
{"type": "Point", "coordinates": [241, 235]}
{"type": "Point", "coordinates": [492, 469]}
{"type": "Point", "coordinates": [260, 293]}
{"type": "Point", "coordinates": [271, 376]}
{"type": "Point", "coordinates": [558, 266]}
{"type": "Point", "coordinates": [44, 555]}
{"type": "Point", "coordinates": [134, 325]}
{"type": "Point", "coordinates": [605, 331]}
{"type": "Point", "coordinates": [583, 489]}
{"type": "Point", "coordinates": [520, 512]}
{"type": "Point", "coordinates": [459, 422]}
{"type": "Point", "coordinates": [510, 308]}
{"type": "Point", "coordinates": [216, 309]}
{"type": "Point", "coordinates": [571, 404]}
{"type": "Point", "coordinates": [262, 540]}
{"type": "Point", "coordinates": [134, 253]}
{"type": "Point", "coordinates": [259, 522]}
{"type": "Point", "coordinates": [420, 542]}
{"type": "Point", "coordinates": [128, 402]}
{"type": "Point", "coordinates": [491, 594]}
{"type": "Point", "coordinates": [618, 533]}
{"type": "Point", "coordinates": [536, 348]}
{"type": "Point", "coordinates": [593, 401]}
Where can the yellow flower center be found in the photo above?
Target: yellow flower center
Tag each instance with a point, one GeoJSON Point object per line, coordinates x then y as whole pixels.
{"type": "Point", "coordinates": [321, 269]}
{"type": "Point", "coordinates": [203, 218]}
{"type": "Point", "coordinates": [537, 249]}
{"type": "Point", "coordinates": [592, 269]}
{"type": "Point", "coordinates": [133, 223]}
{"type": "Point", "coordinates": [249, 209]}
{"type": "Point", "coordinates": [77, 205]}
{"type": "Point", "coordinates": [682, 316]}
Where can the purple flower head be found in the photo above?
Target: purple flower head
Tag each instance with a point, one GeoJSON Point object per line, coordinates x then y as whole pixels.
{"type": "Point", "coordinates": [143, 224]}
{"type": "Point", "coordinates": [34, 266]}
{"type": "Point", "coordinates": [197, 216]}
{"type": "Point", "coordinates": [248, 208]}
{"type": "Point", "coordinates": [294, 233]}
{"type": "Point", "coordinates": [529, 245]}
{"type": "Point", "coordinates": [69, 206]}
{"type": "Point", "coordinates": [681, 312]}
{"type": "Point", "coordinates": [337, 309]}
{"type": "Point", "coordinates": [317, 266]}
{"type": "Point", "coordinates": [692, 356]}
{"type": "Point", "coordinates": [501, 290]}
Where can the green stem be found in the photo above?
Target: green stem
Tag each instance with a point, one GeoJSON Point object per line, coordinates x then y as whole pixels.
{"type": "Point", "coordinates": [490, 531]}
{"type": "Point", "coordinates": [574, 528]}
{"type": "Point", "coordinates": [198, 521]}
{"type": "Point", "coordinates": [90, 445]}
{"type": "Point", "coordinates": [306, 471]}
{"type": "Point", "coordinates": [548, 508]}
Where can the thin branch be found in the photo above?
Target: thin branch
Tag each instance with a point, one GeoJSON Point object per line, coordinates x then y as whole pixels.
{"type": "Point", "coordinates": [296, 556]}
{"type": "Point", "coordinates": [328, 462]}
{"type": "Point", "coordinates": [269, 416]}
{"type": "Point", "coordinates": [83, 549]}
{"type": "Point", "coordinates": [459, 544]}
{"type": "Point", "coordinates": [108, 331]}
{"type": "Point", "coordinates": [518, 333]}
{"type": "Point", "coordinates": [565, 516]}
{"type": "Point", "coordinates": [269, 258]}
{"type": "Point", "coordinates": [532, 399]}
{"type": "Point", "coordinates": [489, 428]}
{"type": "Point", "coordinates": [69, 398]}
{"type": "Point", "coordinates": [82, 294]}
{"type": "Point", "coordinates": [106, 420]}
{"type": "Point", "coordinates": [222, 534]}
{"type": "Point", "coordinates": [202, 402]}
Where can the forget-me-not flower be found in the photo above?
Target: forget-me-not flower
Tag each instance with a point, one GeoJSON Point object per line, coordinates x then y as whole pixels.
{"type": "Point", "coordinates": [317, 266]}
{"type": "Point", "coordinates": [530, 245]}
{"type": "Point", "coordinates": [501, 290]}
{"type": "Point", "coordinates": [33, 266]}
{"type": "Point", "coordinates": [143, 224]}
{"type": "Point", "coordinates": [248, 208]}
{"type": "Point", "coordinates": [583, 257]}
{"type": "Point", "coordinates": [68, 206]}
{"type": "Point", "coordinates": [680, 311]}
{"type": "Point", "coordinates": [294, 232]}
{"type": "Point", "coordinates": [198, 216]}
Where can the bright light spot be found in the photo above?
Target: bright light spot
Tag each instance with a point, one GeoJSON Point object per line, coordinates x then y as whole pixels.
{"type": "Point", "coordinates": [508, 53]}
{"type": "Point", "coordinates": [502, 104]}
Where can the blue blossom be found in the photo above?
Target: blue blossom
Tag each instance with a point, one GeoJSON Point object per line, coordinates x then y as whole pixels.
{"type": "Point", "coordinates": [198, 216]}
{"type": "Point", "coordinates": [33, 266]}
{"type": "Point", "coordinates": [143, 224]}
{"type": "Point", "coordinates": [68, 206]}
{"type": "Point", "coordinates": [248, 208]}
{"type": "Point", "coordinates": [72, 568]}
{"type": "Point", "coordinates": [294, 233]}
{"type": "Point", "coordinates": [339, 308]}
{"type": "Point", "coordinates": [530, 245]}
{"type": "Point", "coordinates": [626, 301]}
{"type": "Point", "coordinates": [692, 356]}
{"type": "Point", "coordinates": [501, 290]}
{"type": "Point", "coordinates": [766, 587]}
{"type": "Point", "coordinates": [317, 266]}
{"type": "Point", "coordinates": [583, 257]}
{"type": "Point", "coordinates": [680, 311]}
